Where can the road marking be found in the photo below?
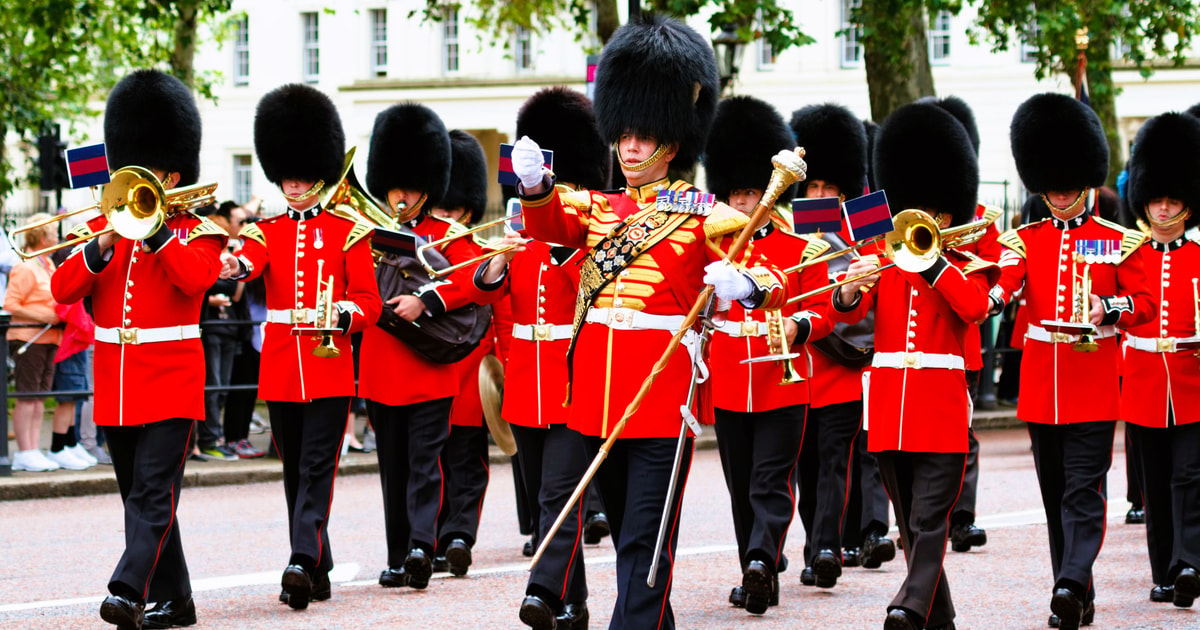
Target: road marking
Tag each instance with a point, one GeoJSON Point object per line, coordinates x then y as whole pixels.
{"type": "Point", "coordinates": [344, 574]}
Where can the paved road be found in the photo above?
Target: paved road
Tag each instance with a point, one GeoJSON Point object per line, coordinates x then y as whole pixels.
{"type": "Point", "coordinates": [58, 555]}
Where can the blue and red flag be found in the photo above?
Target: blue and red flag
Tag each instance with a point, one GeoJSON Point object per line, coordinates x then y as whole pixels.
{"type": "Point", "coordinates": [822, 214]}
{"type": "Point", "coordinates": [87, 166]}
{"type": "Point", "coordinates": [401, 243]}
{"type": "Point", "coordinates": [507, 176]}
{"type": "Point", "coordinates": [868, 216]}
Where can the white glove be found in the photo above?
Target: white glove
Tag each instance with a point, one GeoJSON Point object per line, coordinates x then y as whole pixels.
{"type": "Point", "coordinates": [527, 161]}
{"type": "Point", "coordinates": [728, 283]}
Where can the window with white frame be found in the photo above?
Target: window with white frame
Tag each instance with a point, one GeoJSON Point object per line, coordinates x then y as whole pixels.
{"type": "Point", "coordinates": [766, 54]}
{"type": "Point", "coordinates": [939, 38]}
{"type": "Point", "coordinates": [1029, 48]}
{"type": "Point", "coordinates": [379, 43]}
{"type": "Point", "coordinates": [312, 47]}
{"type": "Point", "coordinates": [523, 48]}
{"type": "Point", "coordinates": [852, 50]}
{"type": "Point", "coordinates": [450, 41]}
{"type": "Point", "coordinates": [241, 51]}
{"type": "Point", "coordinates": [243, 175]}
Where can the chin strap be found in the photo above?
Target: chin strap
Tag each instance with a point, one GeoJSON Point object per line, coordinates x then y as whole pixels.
{"type": "Point", "coordinates": [306, 195]}
{"type": "Point", "coordinates": [644, 164]}
{"type": "Point", "coordinates": [1179, 218]}
{"type": "Point", "coordinates": [1069, 212]}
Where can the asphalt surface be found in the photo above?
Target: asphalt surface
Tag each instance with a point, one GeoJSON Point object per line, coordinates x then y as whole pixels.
{"type": "Point", "coordinates": [58, 554]}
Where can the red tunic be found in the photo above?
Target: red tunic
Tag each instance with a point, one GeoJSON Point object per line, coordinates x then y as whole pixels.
{"type": "Point", "coordinates": [387, 357]}
{"type": "Point", "coordinates": [1037, 257]}
{"type": "Point", "coordinates": [1156, 384]}
{"type": "Point", "coordinates": [286, 251]}
{"type": "Point", "coordinates": [922, 409]}
{"type": "Point", "coordinates": [610, 363]}
{"type": "Point", "coordinates": [750, 387]}
{"type": "Point", "coordinates": [987, 248]}
{"type": "Point", "coordinates": [139, 384]}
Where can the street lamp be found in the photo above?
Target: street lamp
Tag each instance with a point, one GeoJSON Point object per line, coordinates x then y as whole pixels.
{"type": "Point", "coordinates": [728, 47]}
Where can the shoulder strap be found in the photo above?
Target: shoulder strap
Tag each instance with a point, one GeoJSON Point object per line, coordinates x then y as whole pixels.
{"type": "Point", "coordinates": [357, 233]}
{"type": "Point", "coordinates": [1012, 240]}
{"type": "Point", "coordinates": [254, 233]}
{"type": "Point", "coordinates": [206, 228]}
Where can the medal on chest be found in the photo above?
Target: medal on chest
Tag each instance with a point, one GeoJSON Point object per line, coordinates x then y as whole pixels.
{"type": "Point", "coordinates": [318, 238]}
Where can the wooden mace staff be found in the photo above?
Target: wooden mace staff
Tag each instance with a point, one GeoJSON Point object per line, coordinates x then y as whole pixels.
{"type": "Point", "coordinates": [789, 169]}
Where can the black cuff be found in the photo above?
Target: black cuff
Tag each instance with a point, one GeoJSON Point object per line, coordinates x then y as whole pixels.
{"type": "Point", "coordinates": [433, 302]}
{"type": "Point", "coordinates": [845, 308]}
{"type": "Point", "coordinates": [547, 182]}
{"type": "Point", "coordinates": [1113, 308]}
{"type": "Point", "coordinates": [484, 286]}
{"type": "Point", "coordinates": [345, 318]}
{"type": "Point", "coordinates": [932, 274]}
{"type": "Point", "coordinates": [159, 239]}
{"type": "Point", "coordinates": [93, 258]}
{"type": "Point", "coordinates": [757, 296]}
{"type": "Point", "coordinates": [997, 305]}
{"type": "Point", "coordinates": [244, 269]}
{"type": "Point", "coordinates": [803, 329]}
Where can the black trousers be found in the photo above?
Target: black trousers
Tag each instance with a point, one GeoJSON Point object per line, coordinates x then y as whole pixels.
{"type": "Point", "coordinates": [923, 488]}
{"type": "Point", "coordinates": [964, 511]}
{"type": "Point", "coordinates": [824, 474]}
{"type": "Point", "coordinates": [465, 473]}
{"type": "Point", "coordinates": [408, 443]}
{"type": "Point", "coordinates": [633, 482]}
{"type": "Point", "coordinates": [1072, 461]}
{"type": "Point", "coordinates": [1171, 473]}
{"type": "Point", "coordinates": [1134, 485]}
{"type": "Point", "coordinates": [308, 437]}
{"type": "Point", "coordinates": [868, 504]}
{"type": "Point", "coordinates": [553, 460]}
{"type": "Point", "coordinates": [149, 461]}
{"type": "Point", "coordinates": [759, 453]}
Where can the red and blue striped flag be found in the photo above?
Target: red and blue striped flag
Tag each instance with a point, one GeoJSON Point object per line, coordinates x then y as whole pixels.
{"type": "Point", "coordinates": [507, 176]}
{"type": "Point", "coordinates": [87, 166]}
{"type": "Point", "coordinates": [810, 216]}
{"type": "Point", "coordinates": [868, 216]}
{"type": "Point", "coordinates": [402, 243]}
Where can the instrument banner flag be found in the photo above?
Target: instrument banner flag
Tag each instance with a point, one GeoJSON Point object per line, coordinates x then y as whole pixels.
{"type": "Point", "coordinates": [400, 243]}
{"type": "Point", "coordinates": [88, 166]}
{"type": "Point", "coordinates": [820, 215]}
{"type": "Point", "coordinates": [509, 178]}
{"type": "Point", "coordinates": [869, 216]}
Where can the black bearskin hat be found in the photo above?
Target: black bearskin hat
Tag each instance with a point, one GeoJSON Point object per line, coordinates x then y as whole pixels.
{"type": "Point", "coordinates": [746, 133]}
{"type": "Point", "coordinates": [835, 146]}
{"type": "Point", "coordinates": [561, 120]}
{"type": "Point", "coordinates": [410, 150]}
{"type": "Point", "coordinates": [871, 129]}
{"type": "Point", "coordinates": [1194, 110]}
{"type": "Point", "coordinates": [924, 159]}
{"type": "Point", "coordinates": [298, 135]}
{"type": "Point", "coordinates": [658, 77]}
{"type": "Point", "coordinates": [151, 121]}
{"type": "Point", "coordinates": [468, 176]}
{"type": "Point", "coordinates": [1165, 161]}
{"type": "Point", "coordinates": [960, 110]}
{"type": "Point", "coordinates": [1059, 144]}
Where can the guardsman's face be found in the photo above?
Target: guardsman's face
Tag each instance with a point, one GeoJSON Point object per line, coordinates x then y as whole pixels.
{"type": "Point", "coordinates": [168, 179]}
{"type": "Point", "coordinates": [817, 188]}
{"type": "Point", "coordinates": [1063, 198]}
{"type": "Point", "coordinates": [450, 214]}
{"type": "Point", "coordinates": [745, 199]}
{"type": "Point", "coordinates": [1164, 209]}
{"type": "Point", "coordinates": [635, 148]}
{"type": "Point", "coordinates": [398, 196]}
{"type": "Point", "coordinates": [295, 188]}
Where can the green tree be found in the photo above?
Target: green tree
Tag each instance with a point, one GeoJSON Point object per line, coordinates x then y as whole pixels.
{"type": "Point", "coordinates": [896, 50]}
{"type": "Point", "coordinates": [1152, 33]}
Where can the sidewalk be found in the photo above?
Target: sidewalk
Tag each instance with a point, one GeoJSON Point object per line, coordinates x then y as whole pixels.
{"type": "Point", "coordinates": [100, 479]}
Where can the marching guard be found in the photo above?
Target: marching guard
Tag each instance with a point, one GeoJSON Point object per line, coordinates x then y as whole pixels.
{"type": "Point", "coordinates": [1075, 268]}
{"type": "Point", "coordinates": [917, 403]}
{"type": "Point", "coordinates": [319, 275]}
{"type": "Point", "coordinates": [1161, 374]}
{"type": "Point", "coordinates": [146, 298]}
{"type": "Point", "coordinates": [760, 408]}
{"type": "Point", "coordinates": [653, 248]}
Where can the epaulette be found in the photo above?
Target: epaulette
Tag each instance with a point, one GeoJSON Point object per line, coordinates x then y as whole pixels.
{"type": "Point", "coordinates": [974, 263]}
{"type": "Point", "coordinates": [1192, 234]}
{"type": "Point", "coordinates": [81, 231]}
{"type": "Point", "coordinates": [991, 214]}
{"type": "Point", "coordinates": [813, 247]}
{"type": "Point", "coordinates": [206, 228]}
{"type": "Point", "coordinates": [1130, 239]}
{"type": "Point", "coordinates": [1012, 240]}
{"type": "Point", "coordinates": [723, 220]}
{"type": "Point", "coordinates": [360, 230]}
{"type": "Point", "coordinates": [580, 200]}
{"type": "Point", "coordinates": [254, 233]}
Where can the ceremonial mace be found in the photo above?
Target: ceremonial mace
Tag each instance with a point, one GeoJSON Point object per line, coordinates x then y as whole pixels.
{"type": "Point", "coordinates": [789, 169]}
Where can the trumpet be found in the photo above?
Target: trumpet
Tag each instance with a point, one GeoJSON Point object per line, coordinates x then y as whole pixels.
{"type": "Point", "coordinates": [914, 245]}
{"type": "Point", "coordinates": [1082, 306]}
{"type": "Point", "coordinates": [135, 204]}
{"type": "Point", "coordinates": [777, 348]}
{"type": "Point", "coordinates": [439, 273]}
{"type": "Point", "coordinates": [326, 324]}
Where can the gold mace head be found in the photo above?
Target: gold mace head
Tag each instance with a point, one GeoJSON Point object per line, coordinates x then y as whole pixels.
{"type": "Point", "coordinates": [1081, 39]}
{"type": "Point", "coordinates": [789, 169]}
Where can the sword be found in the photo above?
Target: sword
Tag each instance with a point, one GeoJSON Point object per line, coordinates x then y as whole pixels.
{"type": "Point", "coordinates": [39, 334]}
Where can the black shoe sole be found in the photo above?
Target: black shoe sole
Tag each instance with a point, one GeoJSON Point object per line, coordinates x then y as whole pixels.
{"type": "Point", "coordinates": [965, 544]}
{"type": "Point", "coordinates": [594, 533]}
{"type": "Point", "coordinates": [737, 597]}
{"type": "Point", "coordinates": [757, 585]}
{"type": "Point", "coordinates": [827, 570]}
{"type": "Point", "coordinates": [538, 617]}
{"type": "Point", "coordinates": [118, 616]}
{"type": "Point", "coordinates": [183, 622]}
{"type": "Point", "coordinates": [878, 555]}
{"type": "Point", "coordinates": [418, 572]}
{"type": "Point", "coordinates": [298, 588]}
{"type": "Point", "coordinates": [459, 560]}
{"type": "Point", "coordinates": [1069, 617]}
{"type": "Point", "coordinates": [1187, 589]}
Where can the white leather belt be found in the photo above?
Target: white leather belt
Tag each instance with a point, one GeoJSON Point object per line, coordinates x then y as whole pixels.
{"type": "Point", "coordinates": [137, 336]}
{"type": "Point", "coordinates": [1037, 333]}
{"type": "Point", "coordinates": [743, 328]}
{"type": "Point", "coordinates": [292, 315]}
{"type": "Point", "coordinates": [629, 319]}
{"type": "Point", "coordinates": [1151, 344]}
{"type": "Point", "coordinates": [917, 360]}
{"type": "Point", "coordinates": [541, 332]}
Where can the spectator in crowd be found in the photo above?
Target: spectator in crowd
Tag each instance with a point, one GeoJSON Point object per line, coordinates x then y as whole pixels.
{"type": "Point", "coordinates": [72, 373]}
{"type": "Point", "coordinates": [8, 258]}
{"type": "Point", "coordinates": [29, 300]}
{"type": "Point", "coordinates": [239, 405]}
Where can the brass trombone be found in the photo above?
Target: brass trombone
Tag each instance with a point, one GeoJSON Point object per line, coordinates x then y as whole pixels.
{"type": "Point", "coordinates": [135, 204]}
{"type": "Point", "coordinates": [438, 273]}
{"type": "Point", "coordinates": [915, 244]}
{"type": "Point", "coordinates": [348, 200]}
